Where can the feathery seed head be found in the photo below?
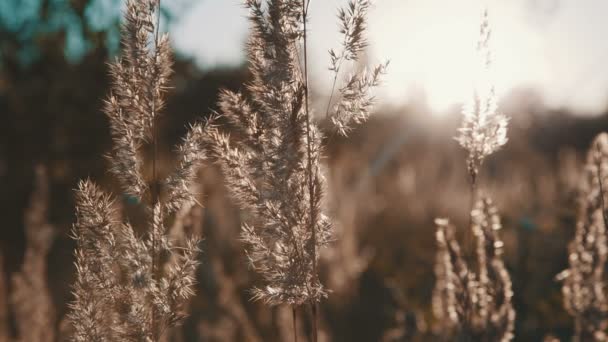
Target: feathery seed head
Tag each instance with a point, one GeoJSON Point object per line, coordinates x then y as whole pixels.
{"type": "Point", "coordinates": [484, 129]}
{"type": "Point", "coordinates": [584, 281]}
{"type": "Point", "coordinates": [355, 100]}
{"type": "Point", "coordinates": [130, 287]}
{"type": "Point", "coordinates": [487, 292]}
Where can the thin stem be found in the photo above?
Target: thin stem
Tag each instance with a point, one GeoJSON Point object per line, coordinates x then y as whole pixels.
{"type": "Point", "coordinates": [155, 183]}
{"type": "Point", "coordinates": [338, 65]}
{"type": "Point", "coordinates": [468, 236]}
{"type": "Point", "coordinates": [305, 4]}
{"type": "Point", "coordinates": [599, 178]}
{"type": "Point", "coordinates": [155, 198]}
{"type": "Point", "coordinates": [604, 217]}
{"type": "Point", "coordinates": [333, 89]}
{"type": "Point", "coordinates": [468, 250]}
{"type": "Point", "coordinates": [336, 72]}
{"type": "Point", "coordinates": [295, 324]}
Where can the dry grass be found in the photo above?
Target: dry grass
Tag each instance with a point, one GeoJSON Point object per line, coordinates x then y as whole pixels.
{"type": "Point", "coordinates": [316, 248]}
{"type": "Point", "coordinates": [133, 288]}
{"type": "Point", "coordinates": [30, 298]}
{"type": "Point", "coordinates": [584, 281]}
{"type": "Point", "coordinates": [272, 164]}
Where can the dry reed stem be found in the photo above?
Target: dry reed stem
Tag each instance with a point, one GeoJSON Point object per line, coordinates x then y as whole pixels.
{"type": "Point", "coordinates": [4, 331]}
{"type": "Point", "coordinates": [469, 304]}
{"type": "Point", "coordinates": [272, 164]}
{"type": "Point", "coordinates": [584, 281]}
{"type": "Point", "coordinates": [31, 300]}
{"type": "Point", "coordinates": [130, 287]}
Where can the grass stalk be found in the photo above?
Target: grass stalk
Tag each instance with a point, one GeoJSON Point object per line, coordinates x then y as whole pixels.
{"type": "Point", "coordinates": [309, 171]}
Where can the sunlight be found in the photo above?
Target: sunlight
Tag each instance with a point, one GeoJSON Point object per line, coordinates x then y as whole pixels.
{"type": "Point", "coordinates": [439, 54]}
{"type": "Point", "coordinates": [547, 45]}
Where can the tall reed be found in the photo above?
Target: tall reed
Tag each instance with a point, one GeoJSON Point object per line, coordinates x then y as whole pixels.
{"type": "Point", "coordinates": [130, 287]}
{"type": "Point", "coordinates": [584, 282]}
{"type": "Point", "coordinates": [30, 298]}
{"type": "Point", "coordinates": [484, 128]}
{"type": "Point", "coordinates": [272, 162]}
{"type": "Point", "coordinates": [473, 305]}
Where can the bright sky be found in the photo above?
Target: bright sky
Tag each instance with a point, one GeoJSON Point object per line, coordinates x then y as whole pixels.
{"type": "Point", "coordinates": [557, 47]}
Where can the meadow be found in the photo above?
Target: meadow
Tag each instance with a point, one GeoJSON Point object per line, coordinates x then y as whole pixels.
{"type": "Point", "coordinates": [145, 199]}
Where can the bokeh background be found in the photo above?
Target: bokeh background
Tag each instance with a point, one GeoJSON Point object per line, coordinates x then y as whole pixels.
{"type": "Point", "coordinates": [387, 181]}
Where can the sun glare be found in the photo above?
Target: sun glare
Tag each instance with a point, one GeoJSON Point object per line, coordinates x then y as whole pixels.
{"type": "Point", "coordinates": [438, 55]}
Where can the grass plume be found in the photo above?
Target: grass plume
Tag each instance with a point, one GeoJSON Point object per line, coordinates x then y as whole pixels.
{"type": "Point", "coordinates": [584, 282]}
{"type": "Point", "coordinates": [130, 287]}
{"type": "Point", "coordinates": [468, 304]}
{"type": "Point", "coordinates": [484, 128]}
{"type": "Point", "coordinates": [272, 163]}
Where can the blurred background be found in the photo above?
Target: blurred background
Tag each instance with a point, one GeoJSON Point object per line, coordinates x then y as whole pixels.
{"type": "Point", "coordinates": [387, 181]}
